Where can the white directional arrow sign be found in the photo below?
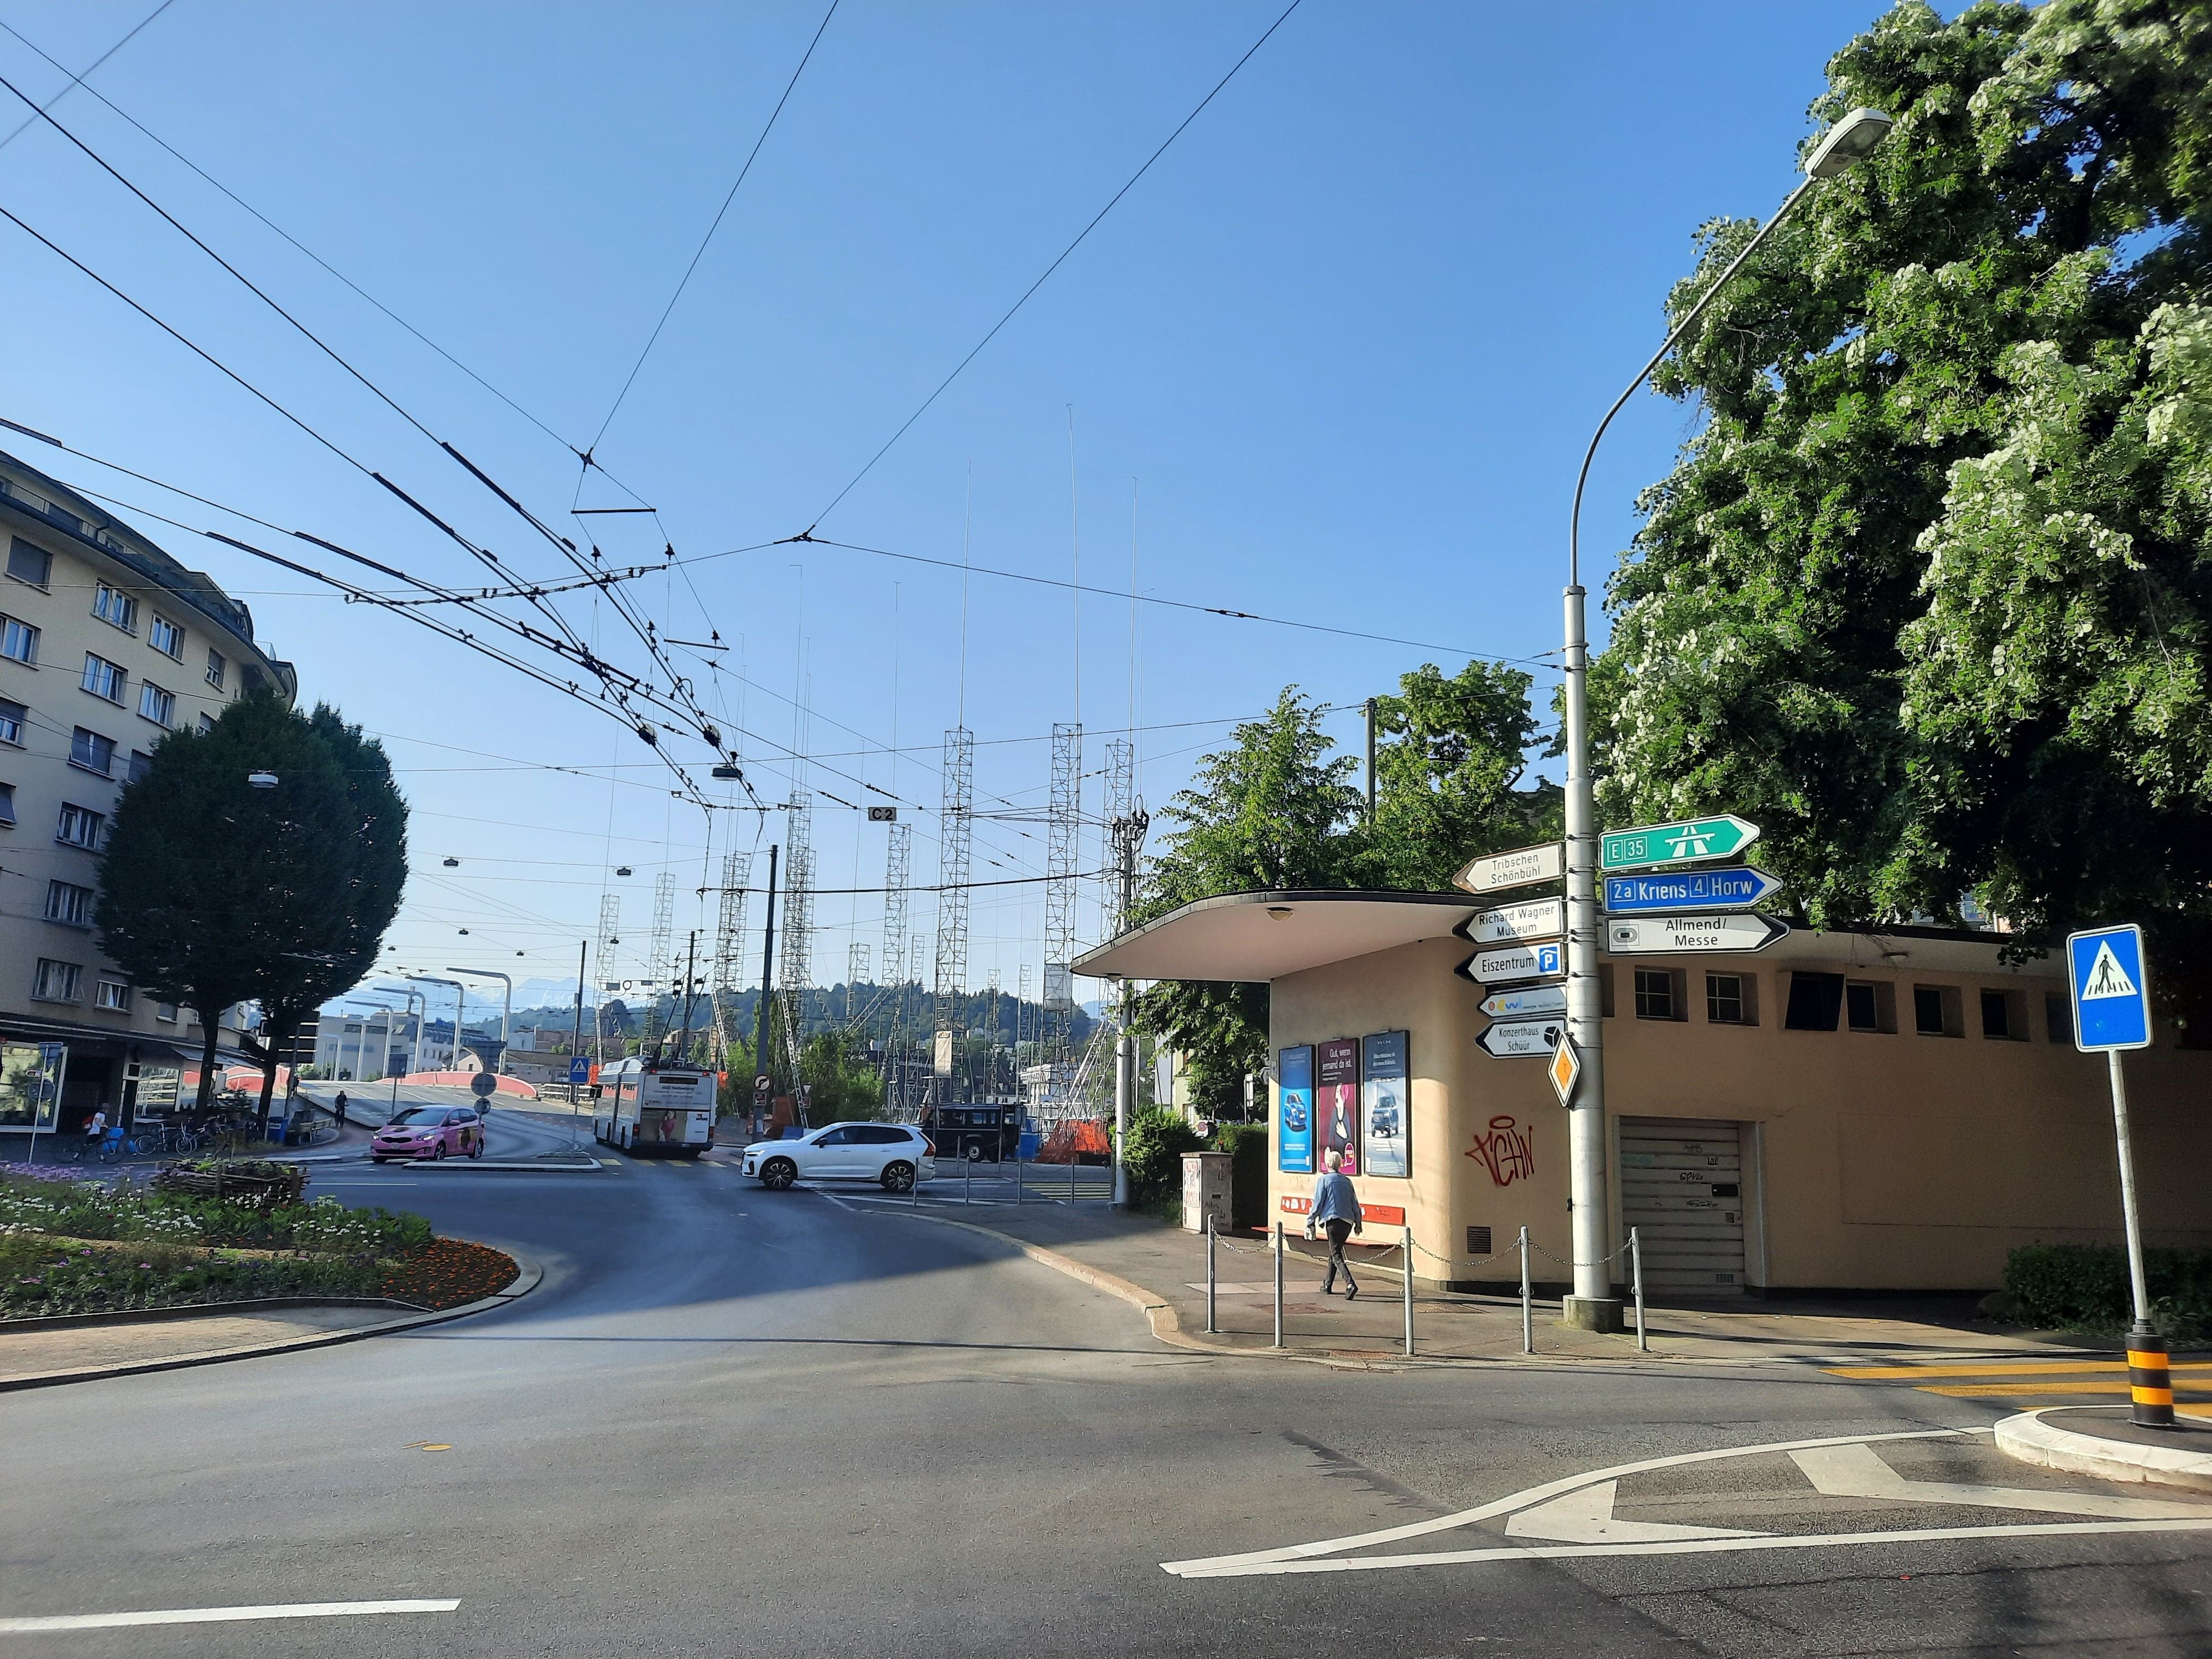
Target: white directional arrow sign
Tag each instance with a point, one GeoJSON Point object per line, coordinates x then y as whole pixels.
{"type": "Point", "coordinates": [1508, 962]}
{"type": "Point", "coordinates": [1527, 1004]}
{"type": "Point", "coordinates": [1651, 936]}
{"type": "Point", "coordinates": [1536, 919]}
{"type": "Point", "coordinates": [1521, 1039]}
{"type": "Point", "coordinates": [1524, 867]}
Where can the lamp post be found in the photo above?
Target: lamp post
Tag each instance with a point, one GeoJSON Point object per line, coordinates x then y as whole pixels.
{"type": "Point", "coordinates": [507, 1008]}
{"type": "Point", "coordinates": [460, 1007]}
{"type": "Point", "coordinates": [1593, 1304]}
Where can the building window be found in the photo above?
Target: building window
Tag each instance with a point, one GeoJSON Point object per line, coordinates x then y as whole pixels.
{"type": "Point", "coordinates": [1657, 996]}
{"type": "Point", "coordinates": [1936, 1011]}
{"type": "Point", "coordinates": [7, 804]}
{"type": "Point", "coordinates": [1871, 1005]}
{"type": "Point", "coordinates": [92, 752]}
{"type": "Point", "coordinates": [1816, 1002]}
{"type": "Point", "coordinates": [113, 995]}
{"type": "Point", "coordinates": [141, 764]}
{"type": "Point", "coordinates": [2004, 1017]}
{"type": "Point", "coordinates": [2057, 1017]}
{"type": "Point", "coordinates": [68, 903]}
{"type": "Point", "coordinates": [166, 636]}
{"type": "Point", "coordinates": [1731, 1000]}
{"type": "Point", "coordinates": [104, 678]}
{"type": "Point", "coordinates": [19, 640]}
{"type": "Point", "coordinates": [55, 981]}
{"type": "Point", "coordinates": [156, 705]}
{"type": "Point", "coordinates": [216, 667]}
{"type": "Point", "coordinates": [165, 1012]}
{"type": "Point", "coordinates": [207, 724]}
{"type": "Point", "coordinates": [27, 563]}
{"type": "Point", "coordinates": [80, 827]}
{"type": "Point", "coordinates": [116, 608]}
{"type": "Point", "coordinates": [11, 722]}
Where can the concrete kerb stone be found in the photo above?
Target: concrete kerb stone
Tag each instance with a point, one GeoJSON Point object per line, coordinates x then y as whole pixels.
{"type": "Point", "coordinates": [528, 1276]}
{"type": "Point", "coordinates": [2032, 1439]}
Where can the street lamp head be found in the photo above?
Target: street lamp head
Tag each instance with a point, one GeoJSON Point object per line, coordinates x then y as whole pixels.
{"type": "Point", "coordinates": [1846, 142]}
{"type": "Point", "coordinates": [262, 779]}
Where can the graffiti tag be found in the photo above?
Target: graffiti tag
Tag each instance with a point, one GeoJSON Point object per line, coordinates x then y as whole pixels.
{"type": "Point", "coordinates": [1508, 1152]}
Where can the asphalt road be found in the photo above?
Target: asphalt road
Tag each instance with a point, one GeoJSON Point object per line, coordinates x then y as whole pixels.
{"type": "Point", "coordinates": [738, 1422]}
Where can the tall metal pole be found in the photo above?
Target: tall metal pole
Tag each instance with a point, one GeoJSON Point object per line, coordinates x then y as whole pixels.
{"type": "Point", "coordinates": [767, 979]}
{"type": "Point", "coordinates": [2137, 1283]}
{"type": "Point", "coordinates": [1593, 1305]}
{"type": "Point", "coordinates": [691, 979]}
{"type": "Point", "coordinates": [1370, 760]}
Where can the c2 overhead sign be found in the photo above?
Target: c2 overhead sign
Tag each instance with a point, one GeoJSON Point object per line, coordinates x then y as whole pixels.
{"type": "Point", "coordinates": [2110, 982]}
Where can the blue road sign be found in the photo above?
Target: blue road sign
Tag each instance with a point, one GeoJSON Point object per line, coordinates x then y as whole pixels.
{"type": "Point", "coordinates": [579, 1069]}
{"type": "Point", "coordinates": [1738, 888]}
{"type": "Point", "coordinates": [2110, 979]}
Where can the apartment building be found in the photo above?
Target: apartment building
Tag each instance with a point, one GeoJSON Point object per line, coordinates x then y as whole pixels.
{"type": "Point", "coordinates": [108, 645]}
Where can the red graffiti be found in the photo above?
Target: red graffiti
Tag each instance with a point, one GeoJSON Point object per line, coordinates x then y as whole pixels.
{"type": "Point", "coordinates": [1508, 1153]}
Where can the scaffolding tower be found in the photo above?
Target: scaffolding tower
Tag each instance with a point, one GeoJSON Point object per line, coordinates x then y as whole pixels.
{"type": "Point", "coordinates": [729, 950]}
{"type": "Point", "coordinates": [1064, 822]}
{"type": "Point", "coordinates": [856, 969]}
{"type": "Point", "coordinates": [795, 968]}
{"type": "Point", "coordinates": [609, 918]}
{"type": "Point", "coordinates": [660, 967]}
{"type": "Point", "coordinates": [953, 841]}
{"type": "Point", "coordinates": [898, 867]}
{"type": "Point", "coordinates": [1121, 810]}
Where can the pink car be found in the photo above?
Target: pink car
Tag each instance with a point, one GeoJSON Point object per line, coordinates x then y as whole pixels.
{"type": "Point", "coordinates": [429, 1132]}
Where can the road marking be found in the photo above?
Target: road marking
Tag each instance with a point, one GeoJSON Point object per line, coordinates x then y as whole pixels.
{"type": "Point", "coordinates": [1533, 1495]}
{"type": "Point", "coordinates": [1686, 1546]}
{"type": "Point", "coordinates": [1857, 1472]}
{"type": "Point", "coordinates": [1586, 1518]}
{"type": "Point", "coordinates": [219, 1615]}
{"type": "Point", "coordinates": [2038, 1368]}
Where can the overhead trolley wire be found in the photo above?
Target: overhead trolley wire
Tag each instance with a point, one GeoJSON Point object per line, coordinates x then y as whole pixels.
{"type": "Point", "coordinates": [700, 252]}
{"type": "Point", "coordinates": [77, 79]}
{"type": "Point", "coordinates": [1026, 292]}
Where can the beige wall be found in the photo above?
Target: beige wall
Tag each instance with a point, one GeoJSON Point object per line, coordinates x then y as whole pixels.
{"type": "Point", "coordinates": [1878, 1160]}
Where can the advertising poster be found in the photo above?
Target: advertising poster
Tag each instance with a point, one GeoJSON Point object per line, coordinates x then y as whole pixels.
{"type": "Point", "coordinates": [1294, 1140]}
{"type": "Point", "coordinates": [1336, 1105]}
{"type": "Point", "coordinates": [1385, 1111]}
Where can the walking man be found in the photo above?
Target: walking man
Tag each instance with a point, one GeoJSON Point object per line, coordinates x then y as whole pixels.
{"type": "Point", "coordinates": [340, 1105]}
{"type": "Point", "coordinates": [1336, 1210]}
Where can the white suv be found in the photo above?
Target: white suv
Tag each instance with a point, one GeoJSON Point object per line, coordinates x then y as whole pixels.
{"type": "Point", "coordinates": [895, 1154]}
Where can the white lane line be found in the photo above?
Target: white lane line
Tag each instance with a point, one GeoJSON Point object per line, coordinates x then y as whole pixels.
{"type": "Point", "coordinates": [1690, 1547]}
{"type": "Point", "coordinates": [1587, 1517]}
{"type": "Point", "coordinates": [1521, 1500]}
{"type": "Point", "coordinates": [218, 1615]}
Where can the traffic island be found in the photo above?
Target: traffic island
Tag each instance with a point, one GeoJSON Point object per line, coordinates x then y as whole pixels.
{"type": "Point", "coordinates": [2100, 1440]}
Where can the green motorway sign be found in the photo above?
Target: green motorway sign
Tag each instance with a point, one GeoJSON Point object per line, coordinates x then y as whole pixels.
{"type": "Point", "coordinates": [1696, 840]}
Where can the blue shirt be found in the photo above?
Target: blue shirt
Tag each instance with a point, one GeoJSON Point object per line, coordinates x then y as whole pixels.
{"type": "Point", "coordinates": [1334, 1199]}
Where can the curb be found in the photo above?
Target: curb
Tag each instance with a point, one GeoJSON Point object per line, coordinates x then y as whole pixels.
{"type": "Point", "coordinates": [2028, 1437]}
{"type": "Point", "coordinates": [527, 1277]}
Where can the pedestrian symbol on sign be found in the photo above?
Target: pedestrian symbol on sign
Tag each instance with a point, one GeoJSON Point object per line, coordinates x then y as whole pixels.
{"type": "Point", "coordinates": [2106, 977]}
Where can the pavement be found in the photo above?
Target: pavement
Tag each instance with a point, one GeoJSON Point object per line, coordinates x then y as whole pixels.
{"type": "Point", "coordinates": [732, 1421]}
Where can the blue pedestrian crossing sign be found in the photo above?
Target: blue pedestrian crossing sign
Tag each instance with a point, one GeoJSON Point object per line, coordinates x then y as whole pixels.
{"type": "Point", "coordinates": [579, 1069]}
{"type": "Point", "coordinates": [2110, 985]}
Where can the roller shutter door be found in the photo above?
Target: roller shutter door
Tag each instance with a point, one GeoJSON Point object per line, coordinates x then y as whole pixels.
{"type": "Point", "coordinates": [1681, 1186]}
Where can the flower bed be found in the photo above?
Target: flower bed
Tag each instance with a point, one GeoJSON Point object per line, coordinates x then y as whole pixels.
{"type": "Point", "coordinates": [450, 1273]}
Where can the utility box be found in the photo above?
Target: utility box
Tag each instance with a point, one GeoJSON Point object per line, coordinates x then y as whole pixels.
{"type": "Point", "coordinates": [1207, 1182]}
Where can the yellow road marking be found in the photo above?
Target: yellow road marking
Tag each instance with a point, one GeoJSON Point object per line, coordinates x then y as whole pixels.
{"type": "Point", "coordinates": [2045, 1367]}
{"type": "Point", "coordinates": [426, 1445]}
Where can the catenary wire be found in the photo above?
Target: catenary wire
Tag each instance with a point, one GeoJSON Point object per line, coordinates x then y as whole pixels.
{"type": "Point", "coordinates": [76, 80]}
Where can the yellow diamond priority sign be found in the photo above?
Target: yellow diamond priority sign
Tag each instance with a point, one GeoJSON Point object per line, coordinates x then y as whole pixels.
{"type": "Point", "coordinates": [1566, 1066]}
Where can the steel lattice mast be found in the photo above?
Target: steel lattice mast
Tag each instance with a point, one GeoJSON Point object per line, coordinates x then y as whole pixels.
{"type": "Point", "coordinates": [1064, 822]}
{"type": "Point", "coordinates": [729, 947]}
{"type": "Point", "coordinates": [953, 843]}
{"type": "Point", "coordinates": [660, 967]}
{"type": "Point", "coordinates": [609, 918]}
{"type": "Point", "coordinates": [856, 969]}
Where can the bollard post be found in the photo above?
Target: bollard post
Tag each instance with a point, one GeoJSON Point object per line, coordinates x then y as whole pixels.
{"type": "Point", "coordinates": [1019, 1180]}
{"type": "Point", "coordinates": [1211, 1326]}
{"type": "Point", "coordinates": [1528, 1343]}
{"type": "Point", "coordinates": [1636, 1263]}
{"type": "Point", "coordinates": [968, 1179]}
{"type": "Point", "coordinates": [1071, 1175]}
{"type": "Point", "coordinates": [1279, 1283]}
{"type": "Point", "coordinates": [913, 1201]}
{"type": "Point", "coordinates": [1408, 1276]}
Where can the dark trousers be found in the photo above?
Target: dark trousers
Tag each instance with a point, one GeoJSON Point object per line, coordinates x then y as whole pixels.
{"type": "Point", "coordinates": [1338, 1232]}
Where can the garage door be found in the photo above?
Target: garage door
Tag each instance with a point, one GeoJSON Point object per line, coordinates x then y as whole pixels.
{"type": "Point", "coordinates": [1681, 1186]}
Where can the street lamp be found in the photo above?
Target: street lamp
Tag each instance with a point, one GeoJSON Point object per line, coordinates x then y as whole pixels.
{"type": "Point", "coordinates": [1592, 1304]}
{"type": "Point", "coordinates": [506, 1011]}
{"type": "Point", "coordinates": [262, 779]}
{"type": "Point", "coordinates": [460, 1007]}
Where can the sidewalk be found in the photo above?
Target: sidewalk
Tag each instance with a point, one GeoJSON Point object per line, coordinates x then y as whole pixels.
{"type": "Point", "coordinates": [1170, 1265]}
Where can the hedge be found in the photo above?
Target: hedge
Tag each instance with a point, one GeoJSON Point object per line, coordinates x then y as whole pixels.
{"type": "Point", "coordinates": [2085, 1287]}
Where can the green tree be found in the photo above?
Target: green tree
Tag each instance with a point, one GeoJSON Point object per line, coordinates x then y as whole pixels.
{"type": "Point", "coordinates": [1927, 593]}
{"type": "Point", "coordinates": [375, 819]}
{"type": "Point", "coordinates": [844, 1083]}
{"type": "Point", "coordinates": [213, 892]}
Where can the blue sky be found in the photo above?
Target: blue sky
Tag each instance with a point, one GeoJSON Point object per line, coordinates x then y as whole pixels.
{"type": "Point", "coordinates": [1344, 343]}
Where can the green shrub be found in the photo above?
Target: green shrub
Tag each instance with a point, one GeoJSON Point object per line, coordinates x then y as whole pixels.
{"type": "Point", "coordinates": [2084, 1287]}
{"type": "Point", "coordinates": [1152, 1155]}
